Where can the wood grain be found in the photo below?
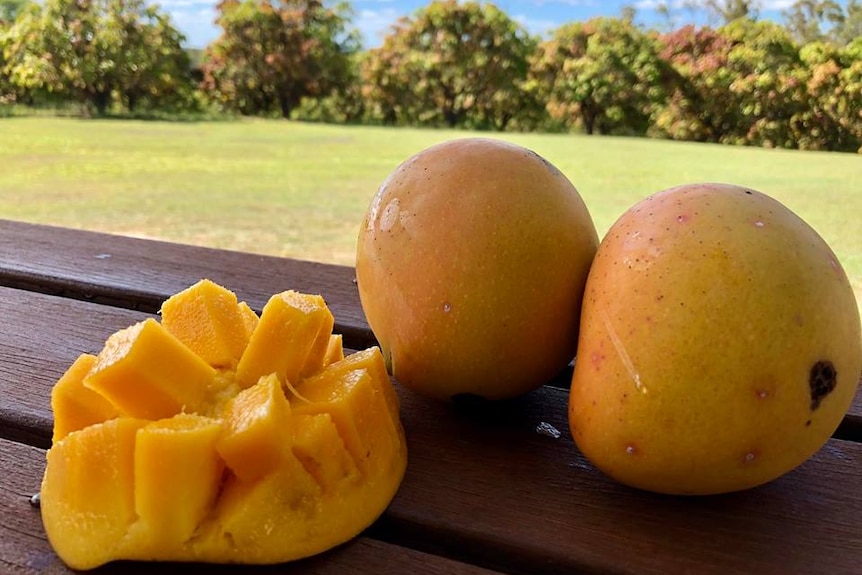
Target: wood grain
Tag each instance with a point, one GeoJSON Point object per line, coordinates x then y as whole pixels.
{"type": "Point", "coordinates": [140, 274]}
{"type": "Point", "coordinates": [24, 549]}
{"type": "Point", "coordinates": [484, 487]}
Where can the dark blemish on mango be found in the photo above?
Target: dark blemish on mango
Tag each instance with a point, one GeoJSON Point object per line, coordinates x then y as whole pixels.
{"type": "Point", "coordinates": [821, 381]}
{"type": "Point", "coordinates": [808, 423]}
{"type": "Point", "coordinates": [631, 449]}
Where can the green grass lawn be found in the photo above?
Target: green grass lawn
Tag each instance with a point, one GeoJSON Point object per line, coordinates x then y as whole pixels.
{"type": "Point", "coordinates": [301, 190]}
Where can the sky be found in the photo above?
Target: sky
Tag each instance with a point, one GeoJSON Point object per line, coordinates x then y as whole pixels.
{"type": "Point", "coordinates": [195, 18]}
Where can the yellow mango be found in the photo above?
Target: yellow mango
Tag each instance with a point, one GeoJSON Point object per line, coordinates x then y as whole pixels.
{"type": "Point", "coordinates": [208, 319]}
{"type": "Point", "coordinates": [290, 339]}
{"type": "Point", "coordinates": [88, 501]}
{"type": "Point", "coordinates": [256, 423]}
{"type": "Point", "coordinates": [147, 372]}
{"type": "Point", "coordinates": [196, 464]}
{"type": "Point", "coordinates": [76, 407]}
{"type": "Point", "coordinates": [182, 447]}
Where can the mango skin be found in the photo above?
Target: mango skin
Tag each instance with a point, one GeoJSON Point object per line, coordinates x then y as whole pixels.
{"type": "Point", "coordinates": [709, 312]}
{"type": "Point", "coordinates": [471, 263]}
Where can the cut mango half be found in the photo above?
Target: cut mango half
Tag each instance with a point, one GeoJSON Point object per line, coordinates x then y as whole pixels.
{"type": "Point", "coordinates": [218, 436]}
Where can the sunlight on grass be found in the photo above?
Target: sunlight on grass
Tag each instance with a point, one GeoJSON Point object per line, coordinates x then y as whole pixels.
{"type": "Point", "coordinates": [301, 190]}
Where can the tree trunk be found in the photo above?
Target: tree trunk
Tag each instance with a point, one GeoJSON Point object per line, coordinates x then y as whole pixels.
{"type": "Point", "coordinates": [101, 99]}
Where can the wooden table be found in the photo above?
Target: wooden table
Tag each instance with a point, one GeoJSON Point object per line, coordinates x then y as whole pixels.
{"type": "Point", "coordinates": [485, 490]}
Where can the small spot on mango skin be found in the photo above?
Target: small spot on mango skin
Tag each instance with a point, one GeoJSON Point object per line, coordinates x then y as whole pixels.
{"type": "Point", "coordinates": [821, 381]}
{"type": "Point", "coordinates": [632, 449]}
{"type": "Point", "coordinates": [750, 456]}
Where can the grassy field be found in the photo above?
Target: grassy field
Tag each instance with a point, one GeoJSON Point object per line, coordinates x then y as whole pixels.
{"type": "Point", "coordinates": [301, 190]}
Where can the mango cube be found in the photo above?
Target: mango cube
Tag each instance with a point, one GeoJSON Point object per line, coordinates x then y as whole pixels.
{"type": "Point", "coordinates": [290, 340]}
{"type": "Point", "coordinates": [146, 372]}
{"type": "Point", "coordinates": [177, 475]}
{"type": "Point", "coordinates": [357, 407]}
{"type": "Point", "coordinates": [76, 407]}
{"type": "Point", "coordinates": [89, 490]}
{"type": "Point", "coordinates": [256, 423]}
{"type": "Point", "coordinates": [208, 319]}
{"type": "Point", "coordinates": [319, 447]}
{"type": "Point", "coordinates": [220, 436]}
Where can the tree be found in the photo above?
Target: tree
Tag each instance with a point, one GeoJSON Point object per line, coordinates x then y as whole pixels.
{"type": "Point", "coordinates": [604, 76]}
{"type": "Point", "coordinates": [9, 10]}
{"type": "Point", "coordinates": [701, 106]}
{"type": "Point", "coordinates": [833, 80]}
{"type": "Point", "coordinates": [850, 28]}
{"type": "Point", "coordinates": [765, 65]}
{"type": "Point", "coordinates": [805, 19]}
{"type": "Point", "coordinates": [452, 63]}
{"type": "Point", "coordinates": [272, 54]}
{"type": "Point", "coordinates": [96, 52]}
{"type": "Point", "coordinates": [729, 10]}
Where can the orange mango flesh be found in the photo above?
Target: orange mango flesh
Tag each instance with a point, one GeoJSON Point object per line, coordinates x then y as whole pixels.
{"type": "Point", "coordinates": [255, 422]}
{"type": "Point", "coordinates": [183, 446]}
{"type": "Point", "coordinates": [147, 372]}
{"type": "Point", "coordinates": [290, 340]}
{"type": "Point", "coordinates": [160, 454]}
{"type": "Point", "coordinates": [334, 349]}
{"type": "Point", "coordinates": [74, 406]}
{"type": "Point", "coordinates": [209, 320]}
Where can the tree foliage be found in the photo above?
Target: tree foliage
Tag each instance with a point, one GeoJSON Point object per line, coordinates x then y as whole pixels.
{"type": "Point", "coordinates": [604, 76]}
{"type": "Point", "coordinates": [452, 63]}
{"type": "Point", "coordinates": [765, 64]}
{"type": "Point", "coordinates": [272, 54]}
{"type": "Point", "coordinates": [699, 106]}
{"type": "Point", "coordinates": [96, 52]}
{"type": "Point", "coordinates": [9, 10]}
{"type": "Point", "coordinates": [832, 78]}
{"type": "Point", "coordinates": [811, 20]}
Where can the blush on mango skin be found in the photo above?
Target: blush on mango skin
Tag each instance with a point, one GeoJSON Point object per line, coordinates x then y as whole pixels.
{"type": "Point", "coordinates": [719, 345]}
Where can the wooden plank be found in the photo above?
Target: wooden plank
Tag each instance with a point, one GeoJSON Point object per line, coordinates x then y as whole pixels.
{"type": "Point", "coordinates": [24, 549]}
{"type": "Point", "coordinates": [139, 274]}
{"type": "Point", "coordinates": [485, 487]}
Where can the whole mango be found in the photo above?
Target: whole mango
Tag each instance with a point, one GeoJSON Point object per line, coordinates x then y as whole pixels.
{"type": "Point", "coordinates": [719, 343]}
{"type": "Point", "coordinates": [471, 264]}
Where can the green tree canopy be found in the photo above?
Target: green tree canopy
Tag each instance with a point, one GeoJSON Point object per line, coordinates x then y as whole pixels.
{"type": "Point", "coordinates": [9, 10]}
{"type": "Point", "coordinates": [701, 105]}
{"type": "Point", "coordinates": [764, 62]}
{"type": "Point", "coordinates": [272, 54]}
{"type": "Point", "coordinates": [452, 63]}
{"type": "Point", "coordinates": [604, 76]}
{"type": "Point", "coordinates": [96, 51]}
{"type": "Point", "coordinates": [832, 119]}
{"type": "Point", "coordinates": [806, 19]}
